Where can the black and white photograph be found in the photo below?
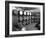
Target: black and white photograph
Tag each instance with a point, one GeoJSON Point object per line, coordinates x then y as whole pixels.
{"type": "Point", "coordinates": [25, 18]}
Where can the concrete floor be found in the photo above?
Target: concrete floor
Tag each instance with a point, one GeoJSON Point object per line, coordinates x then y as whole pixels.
{"type": "Point", "coordinates": [31, 26]}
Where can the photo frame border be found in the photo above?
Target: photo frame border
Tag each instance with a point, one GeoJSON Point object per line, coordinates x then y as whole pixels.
{"type": "Point", "coordinates": [7, 18]}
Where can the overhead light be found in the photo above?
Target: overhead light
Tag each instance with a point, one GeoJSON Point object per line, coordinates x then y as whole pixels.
{"type": "Point", "coordinates": [27, 12]}
{"type": "Point", "coordinates": [24, 12]}
{"type": "Point", "coordinates": [21, 12]}
{"type": "Point", "coordinates": [30, 13]}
